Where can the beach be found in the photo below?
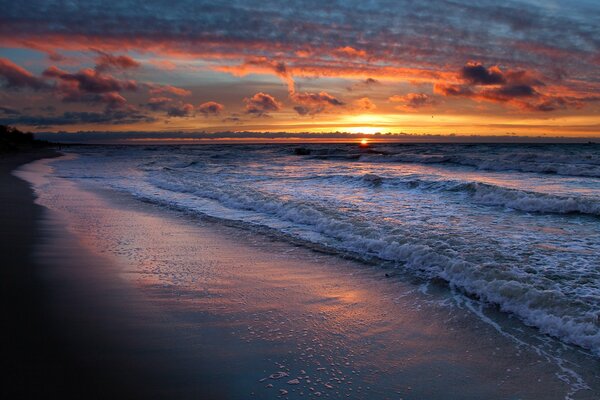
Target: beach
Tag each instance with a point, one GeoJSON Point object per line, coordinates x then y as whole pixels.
{"type": "Point", "coordinates": [136, 300]}
{"type": "Point", "coordinates": [298, 200]}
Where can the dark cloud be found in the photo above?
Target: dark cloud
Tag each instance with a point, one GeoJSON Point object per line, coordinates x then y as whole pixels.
{"type": "Point", "coordinates": [364, 84]}
{"type": "Point", "coordinates": [17, 77]}
{"type": "Point", "coordinates": [90, 86]}
{"type": "Point", "coordinates": [177, 108]}
{"type": "Point", "coordinates": [210, 108]}
{"type": "Point", "coordinates": [412, 101]}
{"type": "Point", "coordinates": [261, 104]}
{"type": "Point", "coordinates": [311, 103]}
{"type": "Point", "coordinates": [519, 88]}
{"type": "Point", "coordinates": [476, 74]}
{"type": "Point", "coordinates": [234, 118]}
{"type": "Point", "coordinates": [112, 100]}
{"type": "Point", "coordinates": [89, 80]}
{"type": "Point", "coordinates": [511, 91]}
{"type": "Point", "coordinates": [127, 136]}
{"type": "Point", "coordinates": [172, 107]}
{"type": "Point", "coordinates": [301, 110]}
{"type": "Point", "coordinates": [180, 110]}
{"type": "Point", "coordinates": [309, 40]}
{"type": "Point", "coordinates": [9, 111]}
{"type": "Point", "coordinates": [106, 61]}
{"type": "Point", "coordinates": [392, 31]}
{"type": "Point", "coordinates": [48, 109]}
{"type": "Point", "coordinates": [554, 103]}
{"type": "Point", "coordinates": [158, 103]}
{"type": "Point", "coordinates": [113, 117]}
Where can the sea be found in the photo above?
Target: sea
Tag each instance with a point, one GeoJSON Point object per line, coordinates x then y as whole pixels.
{"type": "Point", "coordinates": [513, 226]}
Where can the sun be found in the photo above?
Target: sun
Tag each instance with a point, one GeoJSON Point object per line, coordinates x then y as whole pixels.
{"type": "Point", "coordinates": [364, 143]}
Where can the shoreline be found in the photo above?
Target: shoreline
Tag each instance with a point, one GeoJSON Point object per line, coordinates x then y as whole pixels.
{"type": "Point", "coordinates": [55, 337]}
{"type": "Point", "coordinates": [27, 357]}
{"type": "Point", "coordinates": [203, 294]}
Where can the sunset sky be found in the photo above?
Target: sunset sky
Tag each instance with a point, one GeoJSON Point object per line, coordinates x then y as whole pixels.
{"type": "Point", "coordinates": [440, 67]}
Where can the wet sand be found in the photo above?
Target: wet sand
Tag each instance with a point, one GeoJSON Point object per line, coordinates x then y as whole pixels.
{"type": "Point", "coordinates": [186, 307]}
{"type": "Point", "coordinates": [70, 326]}
{"type": "Point", "coordinates": [25, 357]}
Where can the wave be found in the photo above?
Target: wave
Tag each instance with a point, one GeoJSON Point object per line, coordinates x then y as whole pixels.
{"type": "Point", "coordinates": [580, 160]}
{"type": "Point", "coordinates": [483, 193]}
{"type": "Point", "coordinates": [550, 310]}
{"type": "Point", "coordinates": [556, 165]}
{"type": "Point", "coordinates": [422, 223]}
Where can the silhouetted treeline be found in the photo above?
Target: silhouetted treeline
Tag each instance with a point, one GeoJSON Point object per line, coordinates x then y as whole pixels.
{"type": "Point", "coordinates": [12, 139]}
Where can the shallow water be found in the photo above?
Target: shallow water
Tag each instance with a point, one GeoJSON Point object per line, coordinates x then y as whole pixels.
{"type": "Point", "coordinates": [514, 225]}
{"type": "Point", "coordinates": [288, 309]}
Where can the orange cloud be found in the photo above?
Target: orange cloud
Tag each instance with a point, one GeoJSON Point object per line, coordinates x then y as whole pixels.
{"type": "Point", "coordinates": [15, 76]}
{"type": "Point", "coordinates": [412, 101]}
{"type": "Point", "coordinates": [261, 104]}
{"type": "Point", "coordinates": [210, 108]}
{"type": "Point", "coordinates": [156, 90]}
{"type": "Point", "coordinates": [349, 52]}
{"type": "Point", "coordinates": [106, 61]}
{"type": "Point", "coordinates": [364, 104]}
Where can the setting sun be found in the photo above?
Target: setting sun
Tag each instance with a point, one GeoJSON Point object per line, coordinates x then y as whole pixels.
{"type": "Point", "coordinates": [364, 142]}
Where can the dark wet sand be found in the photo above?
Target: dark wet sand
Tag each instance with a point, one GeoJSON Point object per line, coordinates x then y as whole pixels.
{"type": "Point", "coordinates": [30, 360]}
{"type": "Point", "coordinates": [62, 332]}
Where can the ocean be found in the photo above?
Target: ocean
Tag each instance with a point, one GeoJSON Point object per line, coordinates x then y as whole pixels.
{"type": "Point", "coordinates": [513, 226]}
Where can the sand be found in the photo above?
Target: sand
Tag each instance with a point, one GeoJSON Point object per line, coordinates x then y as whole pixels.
{"type": "Point", "coordinates": [73, 335]}
{"type": "Point", "coordinates": [149, 303]}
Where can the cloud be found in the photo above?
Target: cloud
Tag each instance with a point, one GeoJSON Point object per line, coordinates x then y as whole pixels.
{"type": "Point", "coordinates": [261, 104]}
{"type": "Point", "coordinates": [210, 108]}
{"type": "Point", "coordinates": [521, 89]}
{"type": "Point", "coordinates": [415, 35]}
{"type": "Point", "coordinates": [412, 101]}
{"type": "Point", "coordinates": [112, 100]}
{"type": "Point", "coordinates": [364, 104]}
{"type": "Point", "coordinates": [90, 81]}
{"type": "Point", "coordinates": [158, 103]}
{"type": "Point", "coordinates": [364, 84]}
{"type": "Point", "coordinates": [164, 65]}
{"type": "Point", "coordinates": [106, 61]}
{"type": "Point", "coordinates": [311, 103]}
{"type": "Point", "coordinates": [507, 92]}
{"type": "Point", "coordinates": [16, 77]}
{"type": "Point", "coordinates": [418, 41]}
{"type": "Point", "coordinates": [9, 110]}
{"type": "Point", "coordinates": [262, 65]}
{"type": "Point", "coordinates": [452, 90]}
{"type": "Point", "coordinates": [111, 117]}
{"type": "Point", "coordinates": [156, 90]}
{"type": "Point", "coordinates": [180, 110]}
{"type": "Point", "coordinates": [90, 86]}
{"type": "Point", "coordinates": [349, 52]}
{"type": "Point", "coordinates": [554, 103]}
{"type": "Point", "coordinates": [172, 107]}
{"type": "Point", "coordinates": [476, 74]}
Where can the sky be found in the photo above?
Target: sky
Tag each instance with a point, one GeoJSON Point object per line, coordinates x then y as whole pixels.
{"type": "Point", "coordinates": [515, 68]}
